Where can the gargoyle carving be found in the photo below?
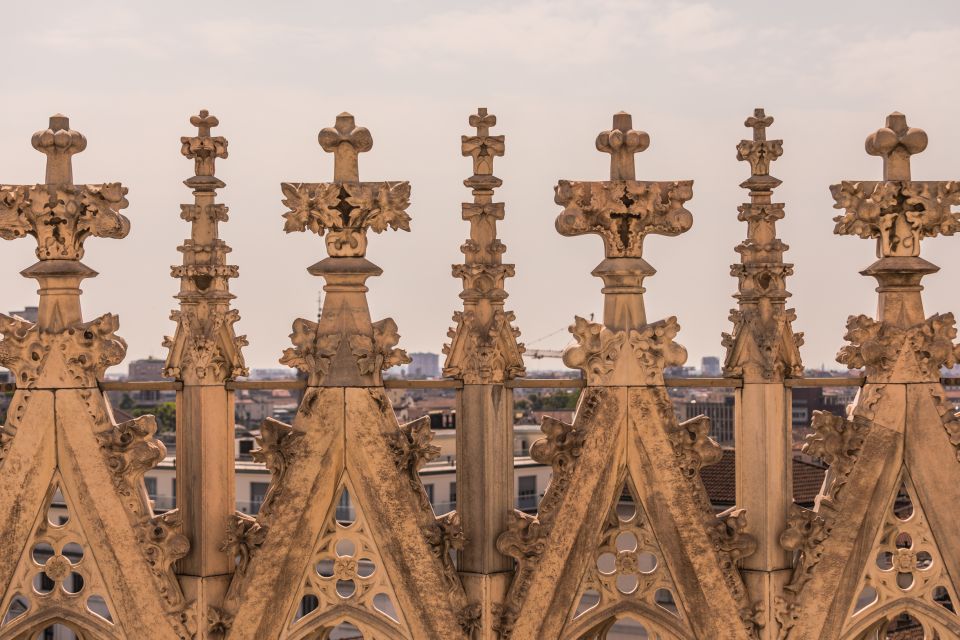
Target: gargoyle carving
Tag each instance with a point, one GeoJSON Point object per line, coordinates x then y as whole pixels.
{"type": "Point", "coordinates": [805, 534]}
{"type": "Point", "coordinates": [131, 450]}
{"type": "Point", "coordinates": [730, 537]}
{"type": "Point", "coordinates": [278, 444]}
{"type": "Point", "coordinates": [693, 446]}
{"type": "Point", "coordinates": [561, 446]}
{"type": "Point", "coordinates": [163, 545]}
{"type": "Point", "coordinates": [411, 447]}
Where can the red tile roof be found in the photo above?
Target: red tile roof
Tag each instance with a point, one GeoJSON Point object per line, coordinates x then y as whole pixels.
{"type": "Point", "coordinates": [720, 481]}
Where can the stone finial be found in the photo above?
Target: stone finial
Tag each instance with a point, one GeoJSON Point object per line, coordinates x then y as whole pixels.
{"type": "Point", "coordinates": [622, 142]}
{"type": "Point", "coordinates": [59, 214]}
{"type": "Point", "coordinates": [895, 143]}
{"type": "Point", "coordinates": [345, 140]}
{"type": "Point", "coordinates": [483, 347]}
{"type": "Point", "coordinates": [205, 348]}
{"type": "Point", "coordinates": [759, 152]}
{"type": "Point", "coordinates": [483, 148]}
{"type": "Point", "coordinates": [59, 142]}
{"type": "Point", "coordinates": [623, 211]}
{"type": "Point", "coordinates": [759, 122]}
{"type": "Point", "coordinates": [344, 209]}
{"type": "Point", "coordinates": [204, 149]}
{"type": "Point", "coordinates": [897, 211]}
{"type": "Point", "coordinates": [345, 348]}
{"type": "Point", "coordinates": [762, 346]}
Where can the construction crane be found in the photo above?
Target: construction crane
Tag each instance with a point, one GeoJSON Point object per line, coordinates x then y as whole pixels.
{"type": "Point", "coordinates": [539, 354]}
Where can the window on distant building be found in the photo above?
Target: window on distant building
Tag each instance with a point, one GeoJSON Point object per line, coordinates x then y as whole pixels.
{"type": "Point", "coordinates": [429, 488]}
{"type": "Point", "coordinates": [527, 492]}
{"type": "Point", "coordinates": [258, 491]}
{"type": "Point", "coordinates": [151, 485]}
{"type": "Point", "coordinates": [453, 495]}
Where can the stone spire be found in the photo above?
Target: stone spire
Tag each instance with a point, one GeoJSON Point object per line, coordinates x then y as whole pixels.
{"type": "Point", "coordinates": [59, 437]}
{"type": "Point", "coordinates": [898, 213]}
{"type": "Point", "coordinates": [205, 349]}
{"type": "Point", "coordinates": [61, 215]}
{"type": "Point", "coordinates": [345, 348]}
{"type": "Point", "coordinates": [483, 347]}
{"type": "Point", "coordinates": [762, 346]}
{"type": "Point", "coordinates": [623, 211]}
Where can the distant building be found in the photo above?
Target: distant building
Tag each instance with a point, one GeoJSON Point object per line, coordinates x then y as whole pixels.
{"type": "Point", "coordinates": [147, 369]}
{"type": "Point", "coordinates": [720, 411]}
{"type": "Point", "coordinates": [27, 313]}
{"type": "Point", "coordinates": [424, 365]}
{"type": "Point", "coordinates": [710, 367]}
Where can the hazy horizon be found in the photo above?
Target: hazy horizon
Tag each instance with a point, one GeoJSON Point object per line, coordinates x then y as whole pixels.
{"type": "Point", "coordinates": [552, 72]}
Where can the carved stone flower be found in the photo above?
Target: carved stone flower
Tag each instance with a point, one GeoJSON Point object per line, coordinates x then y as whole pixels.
{"type": "Point", "coordinates": [627, 562]}
{"type": "Point", "coordinates": [904, 561]}
{"type": "Point", "coordinates": [345, 568]}
{"type": "Point", "coordinates": [244, 536]}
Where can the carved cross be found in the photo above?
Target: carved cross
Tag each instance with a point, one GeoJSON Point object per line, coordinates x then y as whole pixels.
{"type": "Point", "coordinates": [59, 214]}
{"type": "Point", "coordinates": [622, 142]}
{"type": "Point", "coordinates": [204, 149]}
{"type": "Point", "coordinates": [345, 140]}
{"type": "Point", "coordinates": [344, 209]}
{"type": "Point", "coordinates": [897, 211]}
{"type": "Point", "coordinates": [759, 152]}
{"type": "Point", "coordinates": [759, 122]}
{"type": "Point", "coordinates": [59, 142]}
{"type": "Point", "coordinates": [482, 147]}
{"type": "Point", "coordinates": [895, 143]}
{"type": "Point", "coordinates": [623, 210]}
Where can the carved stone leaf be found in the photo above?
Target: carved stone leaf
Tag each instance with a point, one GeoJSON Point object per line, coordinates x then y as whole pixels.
{"type": "Point", "coordinates": [311, 206]}
{"type": "Point", "coordinates": [597, 348]}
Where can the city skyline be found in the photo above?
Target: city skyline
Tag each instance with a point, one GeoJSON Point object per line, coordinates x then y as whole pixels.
{"type": "Point", "coordinates": [814, 84]}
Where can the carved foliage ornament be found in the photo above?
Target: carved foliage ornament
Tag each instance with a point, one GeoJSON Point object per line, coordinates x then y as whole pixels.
{"type": "Point", "coordinates": [378, 353]}
{"type": "Point", "coordinates": [62, 216]}
{"type": "Point", "coordinates": [598, 349]}
{"type": "Point", "coordinates": [244, 535]}
{"type": "Point", "coordinates": [838, 441]}
{"type": "Point", "coordinates": [85, 351]}
{"type": "Point", "coordinates": [485, 356]}
{"type": "Point", "coordinates": [623, 212]}
{"type": "Point", "coordinates": [345, 211]}
{"type": "Point", "coordinates": [897, 214]}
{"type": "Point", "coordinates": [277, 447]}
{"type": "Point", "coordinates": [310, 353]}
{"type": "Point", "coordinates": [878, 346]}
{"type": "Point", "coordinates": [210, 347]}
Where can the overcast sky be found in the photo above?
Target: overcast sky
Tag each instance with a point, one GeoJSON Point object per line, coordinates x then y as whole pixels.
{"type": "Point", "coordinates": [553, 72]}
